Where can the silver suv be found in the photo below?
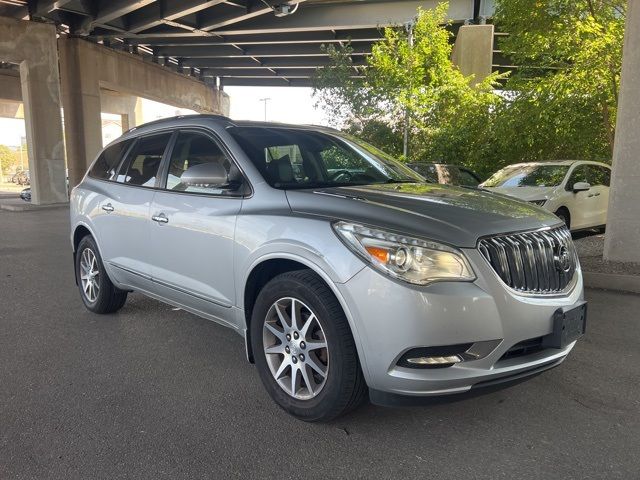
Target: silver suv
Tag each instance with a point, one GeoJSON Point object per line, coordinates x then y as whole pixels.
{"type": "Point", "coordinates": [343, 270]}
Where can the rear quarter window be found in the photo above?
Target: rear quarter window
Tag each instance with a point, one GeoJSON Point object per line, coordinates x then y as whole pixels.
{"type": "Point", "coordinates": [106, 166]}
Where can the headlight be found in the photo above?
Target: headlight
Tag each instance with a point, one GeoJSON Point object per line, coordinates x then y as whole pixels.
{"type": "Point", "coordinates": [410, 259]}
{"type": "Point", "coordinates": [540, 203]}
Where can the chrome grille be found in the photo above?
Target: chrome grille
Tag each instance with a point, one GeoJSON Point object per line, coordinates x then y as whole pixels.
{"type": "Point", "coordinates": [539, 262]}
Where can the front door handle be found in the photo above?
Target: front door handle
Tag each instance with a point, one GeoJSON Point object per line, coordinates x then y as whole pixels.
{"type": "Point", "coordinates": [162, 218]}
{"type": "Point", "coordinates": [108, 208]}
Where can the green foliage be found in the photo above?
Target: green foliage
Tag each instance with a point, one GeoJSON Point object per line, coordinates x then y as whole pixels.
{"type": "Point", "coordinates": [560, 104]}
{"type": "Point", "coordinates": [7, 159]}
{"type": "Point", "coordinates": [450, 118]}
{"type": "Point", "coordinates": [570, 53]}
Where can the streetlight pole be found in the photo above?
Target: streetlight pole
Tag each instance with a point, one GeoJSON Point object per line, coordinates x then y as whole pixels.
{"type": "Point", "coordinates": [21, 160]}
{"type": "Point", "coordinates": [407, 120]}
{"type": "Point", "coordinates": [265, 100]}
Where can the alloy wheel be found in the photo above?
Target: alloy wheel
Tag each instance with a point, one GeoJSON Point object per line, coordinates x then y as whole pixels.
{"type": "Point", "coordinates": [89, 275]}
{"type": "Point", "coordinates": [296, 348]}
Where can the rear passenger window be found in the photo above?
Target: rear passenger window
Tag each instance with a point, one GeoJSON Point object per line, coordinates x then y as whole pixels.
{"type": "Point", "coordinates": [106, 166]}
{"type": "Point", "coordinates": [191, 149]}
{"type": "Point", "coordinates": [143, 162]}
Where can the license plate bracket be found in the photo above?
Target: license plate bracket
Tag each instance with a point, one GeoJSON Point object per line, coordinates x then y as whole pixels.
{"type": "Point", "coordinates": [569, 324]}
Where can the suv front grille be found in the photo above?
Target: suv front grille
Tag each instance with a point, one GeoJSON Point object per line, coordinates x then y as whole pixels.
{"type": "Point", "coordinates": [538, 262]}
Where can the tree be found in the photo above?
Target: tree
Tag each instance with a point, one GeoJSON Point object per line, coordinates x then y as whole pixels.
{"type": "Point", "coordinates": [7, 160]}
{"type": "Point", "coordinates": [560, 103]}
{"type": "Point", "coordinates": [449, 117]}
{"type": "Point", "coordinates": [570, 56]}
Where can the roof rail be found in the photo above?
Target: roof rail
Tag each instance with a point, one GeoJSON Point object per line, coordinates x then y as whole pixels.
{"type": "Point", "coordinates": [168, 119]}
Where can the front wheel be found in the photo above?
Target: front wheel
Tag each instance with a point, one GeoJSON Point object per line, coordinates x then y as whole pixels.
{"type": "Point", "coordinates": [98, 294]}
{"type": "Point", "coordinates": [563, 215]}
{"type": "Point", "coordinates": [303, 348]}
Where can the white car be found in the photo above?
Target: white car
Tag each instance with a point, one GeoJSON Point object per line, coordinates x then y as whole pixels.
{"type": "Point", "coordinates": [577, 191]}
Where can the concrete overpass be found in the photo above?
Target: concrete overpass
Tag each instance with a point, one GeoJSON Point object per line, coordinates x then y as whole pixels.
{"type": "Point", "coordinates": [236, 42]}
{"type": "Point", "coordinates": [93, 56]}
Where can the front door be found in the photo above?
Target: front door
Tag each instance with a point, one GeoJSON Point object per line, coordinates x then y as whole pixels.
{"type": "Point", "coordinates": [193, 231]}
{"type": "Point", "coordinates": [600, 177]}
{"type": "Point", "coordinates": [583, 205]}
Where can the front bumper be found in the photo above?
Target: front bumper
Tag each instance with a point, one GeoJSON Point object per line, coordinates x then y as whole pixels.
{"type": "Point", "coordinates": [389, 318]}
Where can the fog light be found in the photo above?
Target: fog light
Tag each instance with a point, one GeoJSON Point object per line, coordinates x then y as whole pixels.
{"type": "Point", "coordinates": [433, 361]}
{"type": "Point", "coordinates": [434, 357]}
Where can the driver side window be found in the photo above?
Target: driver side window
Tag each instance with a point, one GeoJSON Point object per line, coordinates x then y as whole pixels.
{"type": "Point", "coordinates": [579, 174]}
{"type": "Point", "coordinates": [193, 148]}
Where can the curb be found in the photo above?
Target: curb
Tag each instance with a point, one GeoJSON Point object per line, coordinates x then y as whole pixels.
{"type": "Point", "coordinates": [27, 207]}
{"type": "Point", "coordinates": [609, 281]}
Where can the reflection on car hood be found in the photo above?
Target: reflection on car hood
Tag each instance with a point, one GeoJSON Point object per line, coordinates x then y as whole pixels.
{"type": "Point", "coordinates": [454, 215]}
{"type": "Point", "coordinates": [524, 193]}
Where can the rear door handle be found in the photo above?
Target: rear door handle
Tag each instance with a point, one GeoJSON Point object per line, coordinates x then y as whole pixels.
{"type": "Point", "coordinates": [108, 208]}
{"type": "Point", "coordinates": [162, 218]}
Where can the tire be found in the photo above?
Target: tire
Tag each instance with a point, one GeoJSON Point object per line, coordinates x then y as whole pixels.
{"type": "Point", "coordinates": [563, 214]}
{"type": "Point", "coordinates": [102, 296]}
{"type": "Point", "coordinates": [342, 387]}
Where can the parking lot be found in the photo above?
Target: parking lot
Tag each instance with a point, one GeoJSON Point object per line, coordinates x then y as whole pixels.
{"type": "Point", "coordinates": [153, 392]}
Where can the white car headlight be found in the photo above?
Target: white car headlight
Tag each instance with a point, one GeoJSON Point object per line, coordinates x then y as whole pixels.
{"type": "Point", "coordinates": [410, 259]}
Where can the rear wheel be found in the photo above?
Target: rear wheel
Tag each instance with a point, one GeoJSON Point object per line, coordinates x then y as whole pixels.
{"type": "Point", "coordinates": [303, 348]}
{"type": "Point", "coordinates": [98, 294]}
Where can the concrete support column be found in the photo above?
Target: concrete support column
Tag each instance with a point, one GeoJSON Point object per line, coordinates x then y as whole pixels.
{"type": "Point", "coordinates": [622, 241]}
{"type": "Point", "coordinates": [473, 51]}
{"type": "Point", "coordinates": [81, 101]}
{"type": "Point", "coordinates": [44, 136]}
{"type": "Point", "coordinates": [33, 47]}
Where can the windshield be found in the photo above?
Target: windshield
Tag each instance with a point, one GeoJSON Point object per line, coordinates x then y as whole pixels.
{"type": "Point", "coordinates": [528, 176]}
{"type": "Point", "coordinates": [290, 158]}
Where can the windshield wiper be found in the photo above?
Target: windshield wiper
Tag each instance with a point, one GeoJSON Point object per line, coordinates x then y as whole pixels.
{"type": "Point", "coordinates": [392, 180]}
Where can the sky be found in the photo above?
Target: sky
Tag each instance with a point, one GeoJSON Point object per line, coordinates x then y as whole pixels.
{"type": "Point", "coordinates": [285, 104]}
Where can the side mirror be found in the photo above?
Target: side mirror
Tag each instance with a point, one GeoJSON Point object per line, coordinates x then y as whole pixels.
{"type": "Point", "coordinates": [581, 187]}
{"type": "Point", "coordinates": [211, 175]}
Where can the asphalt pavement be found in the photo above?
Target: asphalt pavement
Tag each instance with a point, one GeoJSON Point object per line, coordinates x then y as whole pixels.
{"type": "Point", "coordinates": [154, 392]}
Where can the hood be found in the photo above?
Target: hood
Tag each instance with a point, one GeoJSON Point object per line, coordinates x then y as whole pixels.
{"type": "Point", "coordinates": [524, 193]}
{"type": "Point", "coordinates": [454, 215]}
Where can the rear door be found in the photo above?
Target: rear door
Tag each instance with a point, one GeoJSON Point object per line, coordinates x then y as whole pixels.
{"type": "Point", "coordinates": [192, 239]}
{"type": "Point", "coordinates": [124, 220]}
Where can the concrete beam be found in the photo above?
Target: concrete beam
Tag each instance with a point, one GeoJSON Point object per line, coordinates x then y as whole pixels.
{"type": "Point", "coordinates": [473, 51]}
{"type": "Point", "coordinates": [363, 35]}
{"type": "Point", "coordinates": [117, 8]}
{"type": "Point", "coordinates": [339, 16]}
{"type": "Point", "coordinates": [230, 51]}
{"type": "Point", "coordinates": [259, 72]}
{"type": "Point", "coordinates": [33, 46]}
{"type": "Point", "coordinates": [267, 82]}
{"type": "Point", "coordinates": [622, 241]}
{"type": "Point", "coordinates": [249, 62]}
{"type": "Point", "coordinates": [44, 7]}
{"type": "Point", "coordinates": [214, 21]}
{"type": "Point", "coordinates": [169, 10]}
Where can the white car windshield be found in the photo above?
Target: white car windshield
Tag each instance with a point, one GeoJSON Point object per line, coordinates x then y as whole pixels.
{"type": "Point", "coordinates": [528, 176]}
